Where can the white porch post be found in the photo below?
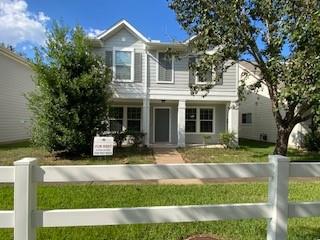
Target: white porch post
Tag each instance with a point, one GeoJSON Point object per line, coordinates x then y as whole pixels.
{"type": "Point", "coordinates": [233, 119]}
{"type": "Point", "coordinates": [146, 121]}
{"type": "Point", "coordinates": [181, 123]}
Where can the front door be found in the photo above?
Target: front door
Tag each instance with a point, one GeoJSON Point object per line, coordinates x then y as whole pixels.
{"type": "Point", "coordinates": [162, 125]}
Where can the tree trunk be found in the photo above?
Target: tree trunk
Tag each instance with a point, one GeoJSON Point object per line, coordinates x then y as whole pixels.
{"type": "Point", "coordinates": [282, 141]}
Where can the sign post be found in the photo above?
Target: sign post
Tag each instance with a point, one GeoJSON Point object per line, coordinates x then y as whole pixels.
{"type": "Point", "coordinates": [103, 146]}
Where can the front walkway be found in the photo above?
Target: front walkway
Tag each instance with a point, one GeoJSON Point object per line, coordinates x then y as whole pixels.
{"type": "Point", "coordinates": [171, 156]}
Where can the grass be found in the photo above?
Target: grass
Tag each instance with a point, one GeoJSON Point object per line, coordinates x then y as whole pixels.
{"type": "Point", "coordinates": [97, 196]}
{"type": "Point", "coordinates": [249, 151]}
{"type": "Point", "coordinates": [127, 155]}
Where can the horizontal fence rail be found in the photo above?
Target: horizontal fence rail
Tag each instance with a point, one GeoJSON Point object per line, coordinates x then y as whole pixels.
{"type": "Point", "coordinates": [25, 175]}
{"type": "Point", "coordinates": [150, 172]}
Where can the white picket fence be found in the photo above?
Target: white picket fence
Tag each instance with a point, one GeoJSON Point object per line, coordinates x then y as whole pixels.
{"type": "Point", "coordinates": [26, 174]}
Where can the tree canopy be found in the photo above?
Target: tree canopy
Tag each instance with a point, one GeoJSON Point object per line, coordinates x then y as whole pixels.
{"type": "Point", "coordinates": [280, 37]}
{"type": "Point", "coordinates": [72, 93]}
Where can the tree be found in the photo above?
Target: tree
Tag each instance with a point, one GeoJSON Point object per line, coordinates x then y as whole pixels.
{"type": "Point", "coordinates": [280, 37]}
{"type": "Point", "coordinates": [72, 93]}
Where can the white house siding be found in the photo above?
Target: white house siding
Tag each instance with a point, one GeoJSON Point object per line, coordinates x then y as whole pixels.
{"type": "Point", "coordinates": [125, 39]}
{"type": "Point", "coordinates": [263, 121]}
{"type": "Point", "coordinates": [15, 81]}
{"type": "Point", "coordinates": [180, 85]}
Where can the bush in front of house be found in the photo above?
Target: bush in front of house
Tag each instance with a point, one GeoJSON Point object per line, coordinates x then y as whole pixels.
{"type": "Point", "coordinates": [228, 140]}
{"type": "Point", "coordinates": [135, 137]}
{"type": "Point", "coordinates": [72, 95]}
{"type": "Point", "coordinates": [312, 141]}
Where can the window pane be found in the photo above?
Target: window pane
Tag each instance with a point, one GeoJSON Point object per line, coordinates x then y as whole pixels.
{"type": "Point", "coordinates": [191, 114]}
{"type": "Point", "coordinates": [116, 112]}
{"type": "Point", "coordinates": [116, 125]}
{"type": "Point", "coordinates": [246, 118]}
{"type": "Point", "coordinates": [134, 125]}
{"type": "Point", "coordinates": [190, 126]}
{"type": "Point", "coordinates": [134, 113]}
{"type": "Point", "coordinates": [123, 72]}
{"type": "Point", "coordinates": [206, 126]}
{"type": "Point", "coordinates": [206, 114]}
{"type": "Point", "coordinates": [165, 67]}
{"type": "Point", "coordinates": [123, 58]}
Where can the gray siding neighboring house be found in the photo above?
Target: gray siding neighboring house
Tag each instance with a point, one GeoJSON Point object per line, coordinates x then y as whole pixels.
{"type": "Point", "coordinates": [158, 84]}
{"type": "Point", "coordinates": [256, 117]}
{"type": "Point", "coordinates": [15, 82]}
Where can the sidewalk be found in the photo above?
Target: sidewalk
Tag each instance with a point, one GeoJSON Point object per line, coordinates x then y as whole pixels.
{"type": "Point", "coordinates": [171, 156]}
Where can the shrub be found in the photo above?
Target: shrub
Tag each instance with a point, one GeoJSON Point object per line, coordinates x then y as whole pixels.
{"type": "Point", "coordinates": [119, 137]}
{"type": "Point", "coordinates": [312, 141]}
{"type": "Point", "coordinates": [137, 138]}
{"type": "Point", "coordinates": [228, 140]}
{"type": "Point", "coordinates": [72, 93]}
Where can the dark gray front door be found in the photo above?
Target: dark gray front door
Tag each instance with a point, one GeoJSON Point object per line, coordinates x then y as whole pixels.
{"type": "Point", "coordinates": [161, 124]}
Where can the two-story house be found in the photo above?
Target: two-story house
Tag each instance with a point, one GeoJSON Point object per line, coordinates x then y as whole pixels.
{"type": "Point", "coordinates": [152, 90]}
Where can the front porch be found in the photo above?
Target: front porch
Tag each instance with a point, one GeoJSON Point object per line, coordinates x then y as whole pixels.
{"type": "Point", "coordinates": [177, 123]}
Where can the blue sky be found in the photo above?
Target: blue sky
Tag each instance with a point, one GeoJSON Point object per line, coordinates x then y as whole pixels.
{"type": "Point", "coordinates": [153, 18]}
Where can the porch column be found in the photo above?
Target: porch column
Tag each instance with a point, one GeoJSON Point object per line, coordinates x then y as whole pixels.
{"type": "Point", "coordinates": [233, 119]}
{"type": "Point", "coordinates": [181, 123]}
{"type": "Point", "coordinates": [146, 121]}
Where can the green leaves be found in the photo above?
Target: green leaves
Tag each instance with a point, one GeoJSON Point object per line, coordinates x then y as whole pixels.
{"type": "Point", "coordinates": [71, 101]}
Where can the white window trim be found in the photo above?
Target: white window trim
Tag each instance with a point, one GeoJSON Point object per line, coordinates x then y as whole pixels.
{"type": "Point", "coordinates": [134, 119]}
{"type": "Point", "coordinates": [114, 63]}
{"type": "Point", "coordinates": [115, 119]}
{"type": "Point", "coordinates": [246, 124]}
{"type": "Point", "coordinates": [194, 120]}
{"type": "Point", "coordinates": [196, 77]}
{"type": "Point", "coordinates": [125, 115]}
{"type": "Point", "coordinates": [157, 69]}
{"type": "Point", "coordinates": [198, 121]}
{"type": "Point", "coordinates": [154, 125]}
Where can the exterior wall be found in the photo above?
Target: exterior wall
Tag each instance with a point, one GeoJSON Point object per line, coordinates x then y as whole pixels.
{"type": "Point", "coordinates": [263, 122]}
{"type": "Point", "coordinates": [15, 82]}
{"type": "Point", "coordinates": [219, 124]}
{"type": "Point", "coordinates": [125, 39]}
{"type": "Point", "coordinates": [226, 91]}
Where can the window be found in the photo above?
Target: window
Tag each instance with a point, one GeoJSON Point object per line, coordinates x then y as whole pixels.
{"type": "Point", "coordinates": [206, 120]}
{"type": "Point", "coordinates": [246, 118]}
{"type": "Point", "coordinates": [124, 65]}
{"type": "Point", "coordinates": [191, 120]}
{"type": "Point", "coordinates": [213, 76]}
{"type": "Point", "coordinates": [134, 119]}
{"type": "Point", "coordinates": [116, 119]}
{"type": "Point", "coordinates": [165, 71]}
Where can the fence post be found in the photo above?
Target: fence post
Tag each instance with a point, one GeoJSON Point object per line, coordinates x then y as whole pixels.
{"type": "Point", "coordinates": [25, 199]}
{"type": "Point", "coordinates": [278, 198]}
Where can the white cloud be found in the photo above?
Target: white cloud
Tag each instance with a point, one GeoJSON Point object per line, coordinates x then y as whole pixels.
{"type": "Point", "coordinates": [18, 25]}
{"type": "Point", "coordinates": [93, 32]}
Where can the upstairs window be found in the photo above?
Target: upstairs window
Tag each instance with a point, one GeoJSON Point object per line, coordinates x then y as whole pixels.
{"type": "Point", "coordinates": [123, 67]}
{"type": "Point", "coordinates": [134, 119]}
{"type": "Point", "coordinates": [246, 118]}
{"type": "Point", "coordinates": [213, 76]}
{"type": "Point", "coordinates": [165, 71]}
{"type": "Point", "coordinates": [116, 119]}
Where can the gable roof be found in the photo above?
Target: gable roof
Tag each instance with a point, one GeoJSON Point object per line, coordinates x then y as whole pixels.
{"type": "Point", "coordinates": [119, 25]}
{"type": "Point", "coordinates": [10, 54]}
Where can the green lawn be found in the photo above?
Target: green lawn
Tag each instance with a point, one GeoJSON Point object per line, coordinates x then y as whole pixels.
{"type": "Point", "coordinates": [97, 196]}
{"type": "Point", "coordinates": [127, 155]}
{"type": "Point", "coordinates": [249, 151]}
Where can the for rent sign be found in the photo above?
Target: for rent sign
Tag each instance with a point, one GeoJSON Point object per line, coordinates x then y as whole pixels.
{"type": "Point", "coordinates": [102, 146]}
